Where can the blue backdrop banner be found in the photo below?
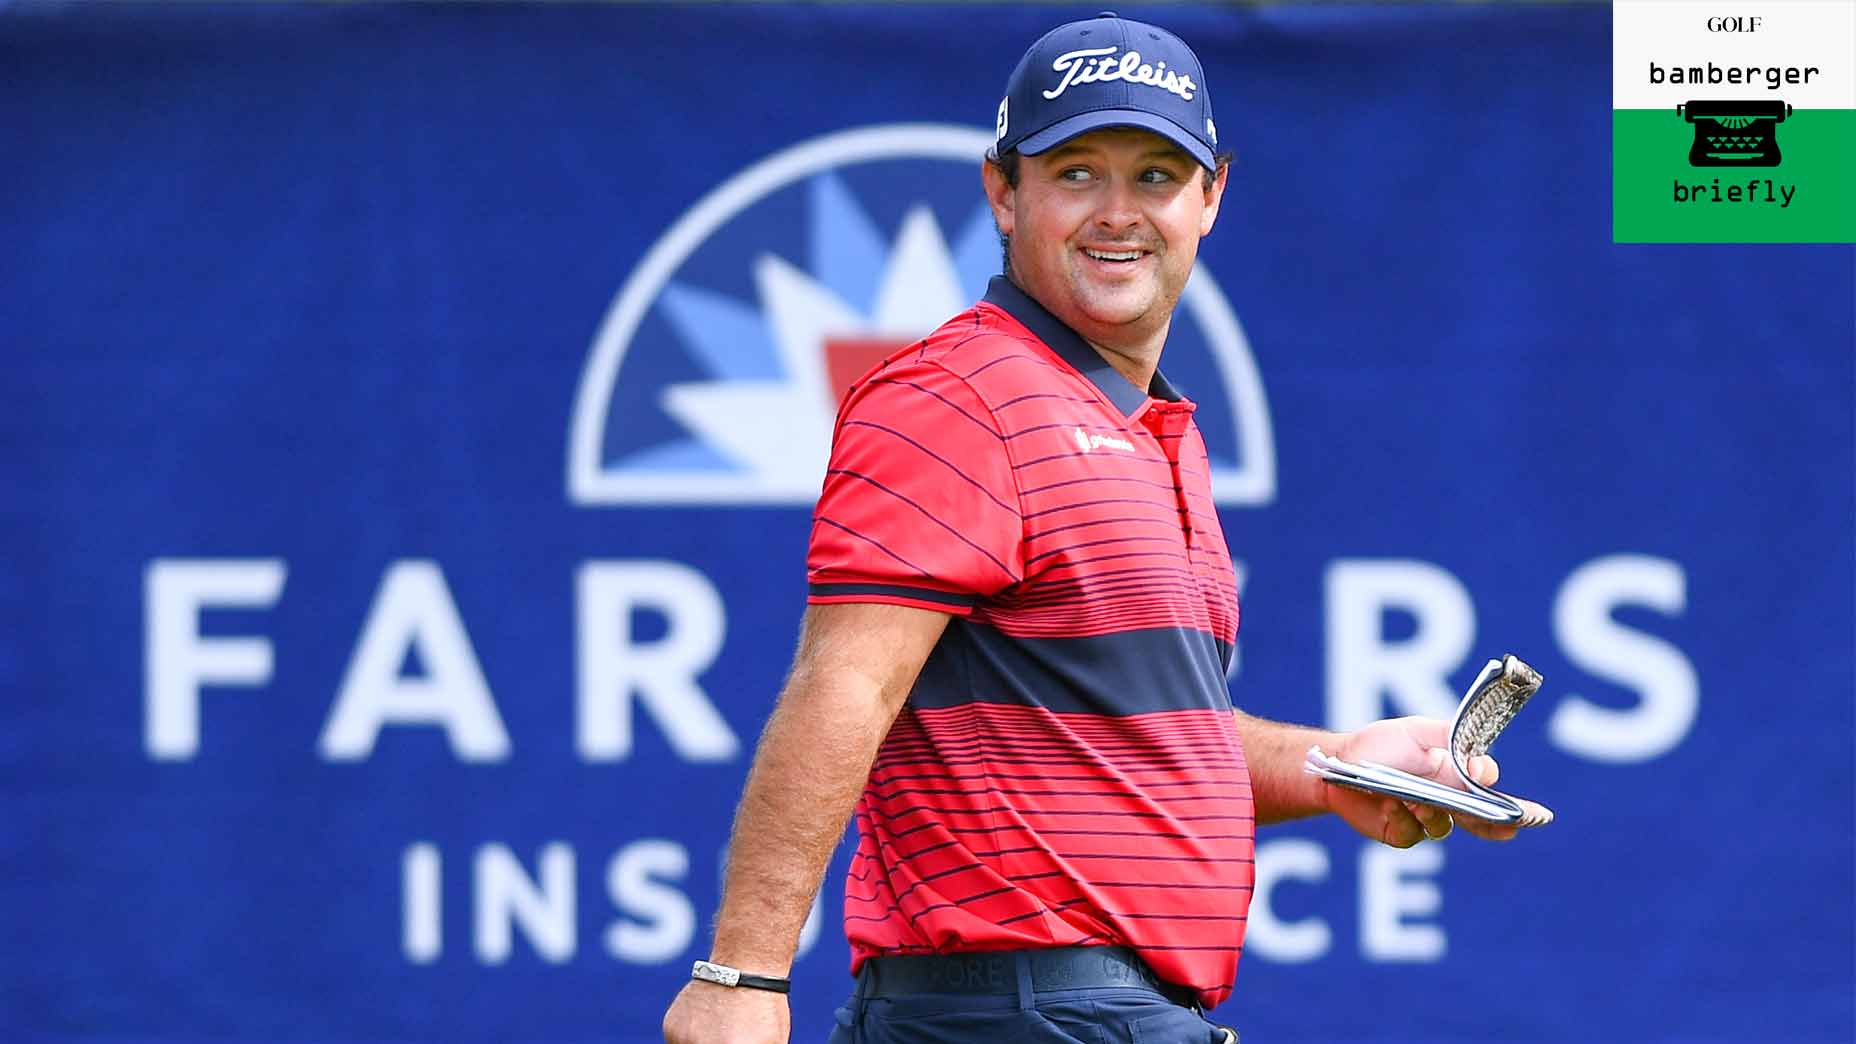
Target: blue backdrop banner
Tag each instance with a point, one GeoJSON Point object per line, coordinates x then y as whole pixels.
{"type": "Point", "coordinates": [411, 417]}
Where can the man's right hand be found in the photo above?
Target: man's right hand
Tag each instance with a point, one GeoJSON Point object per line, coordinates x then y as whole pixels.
{"type": "Point", "coordinates": [706, 1013]}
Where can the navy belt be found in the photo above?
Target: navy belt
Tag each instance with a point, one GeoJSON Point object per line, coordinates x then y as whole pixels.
{"type": "Point", "coordinates": [996, 972]}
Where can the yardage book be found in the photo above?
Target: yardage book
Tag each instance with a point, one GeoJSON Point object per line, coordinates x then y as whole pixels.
{"type": "Point", "coordinates": [1493, 699]}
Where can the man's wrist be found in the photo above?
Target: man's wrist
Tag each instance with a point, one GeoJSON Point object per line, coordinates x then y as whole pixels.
{"type": "Point", "coordinates": [758, 952]}
{"type": "Point", "coordinates": [1323, 806]}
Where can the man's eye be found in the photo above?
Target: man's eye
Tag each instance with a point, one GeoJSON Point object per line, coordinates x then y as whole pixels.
{"type": "Point", "coordinates": [1075, 174]}
{"type": "Point", "coordinates": [1156, 176]}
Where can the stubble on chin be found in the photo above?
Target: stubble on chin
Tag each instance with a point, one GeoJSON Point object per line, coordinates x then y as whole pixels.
{"type": "Point", "coordinates": [1118, 308]}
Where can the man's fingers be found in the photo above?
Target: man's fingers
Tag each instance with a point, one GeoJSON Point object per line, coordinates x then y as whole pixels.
{"type": "Point", "coordinates": [1403, 824]}
{"type": "Point", "coordinates": [1488, 831]}
{"type": "Point", "coordinates": [1484, 770]}
{"type": "Point", "coordinates": [1399, 828]}
{"type": "Point", "coordinates": [1436, 822]}
{"type": "Point", "coordinates": [1382, 819]}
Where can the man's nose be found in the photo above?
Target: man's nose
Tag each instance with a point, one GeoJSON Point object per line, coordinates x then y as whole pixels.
{"type": "Point", "coordinates": [1120, 209]}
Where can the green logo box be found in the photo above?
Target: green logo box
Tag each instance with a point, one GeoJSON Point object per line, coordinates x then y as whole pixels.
{"type": "Point", "coordinates": [1724, 170]}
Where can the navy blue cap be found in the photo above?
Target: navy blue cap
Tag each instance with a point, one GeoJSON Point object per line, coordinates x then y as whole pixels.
{"type": "Point", "coordinates": [1106, 71]}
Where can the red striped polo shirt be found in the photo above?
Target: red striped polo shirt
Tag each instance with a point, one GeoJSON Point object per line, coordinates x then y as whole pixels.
{"type": "Point", "coordinates": [1066, 770]}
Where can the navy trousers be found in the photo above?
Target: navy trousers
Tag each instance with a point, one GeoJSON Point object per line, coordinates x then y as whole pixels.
{"type": "Point", "coordinates": [1119, 1014]}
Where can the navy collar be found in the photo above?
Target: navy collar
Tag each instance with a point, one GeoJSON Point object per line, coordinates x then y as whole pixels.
{"type": "Point", "coordinates": [1003, 294]}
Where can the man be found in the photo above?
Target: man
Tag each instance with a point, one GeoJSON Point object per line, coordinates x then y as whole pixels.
{"type": "Point", "coordinates": [1021, 615]}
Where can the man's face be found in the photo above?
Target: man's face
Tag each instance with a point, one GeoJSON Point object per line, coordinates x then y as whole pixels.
{"type": "Point", "coordinates": [1104, 230]}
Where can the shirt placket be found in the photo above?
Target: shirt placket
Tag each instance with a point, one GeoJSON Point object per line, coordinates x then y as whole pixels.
{"type": "Point", "coordinates": [1167, 422]}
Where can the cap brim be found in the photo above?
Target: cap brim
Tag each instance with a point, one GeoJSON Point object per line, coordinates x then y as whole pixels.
{"type": "Point", "coordinates": [1076, 126]}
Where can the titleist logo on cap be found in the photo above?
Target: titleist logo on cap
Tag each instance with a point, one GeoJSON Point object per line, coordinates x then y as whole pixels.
{"type": "Point", "coordinates": [1099, 65]}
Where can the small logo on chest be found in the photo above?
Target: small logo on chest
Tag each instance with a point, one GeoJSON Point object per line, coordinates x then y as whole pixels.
{"type": "Point", "coordinates": [1086, 442]}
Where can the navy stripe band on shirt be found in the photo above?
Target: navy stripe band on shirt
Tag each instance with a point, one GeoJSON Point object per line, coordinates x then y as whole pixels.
{"type": "Point", "coordinates": [920, 594]}
{"type": "Point", "coordinates": [1112, 675]}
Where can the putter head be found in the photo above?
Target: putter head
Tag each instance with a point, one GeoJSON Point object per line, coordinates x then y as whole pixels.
{"type": "Point", "coordinates": [1498, 696]}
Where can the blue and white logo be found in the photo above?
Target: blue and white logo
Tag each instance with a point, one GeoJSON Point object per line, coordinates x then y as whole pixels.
{"type": "Point", "coordinates": [716, 373]}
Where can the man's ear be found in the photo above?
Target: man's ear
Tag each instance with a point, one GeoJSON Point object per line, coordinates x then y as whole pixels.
{"type": "Point", "coordinates": [1214, 196]}
{"type": "Point", "coordinates": [998, 196]}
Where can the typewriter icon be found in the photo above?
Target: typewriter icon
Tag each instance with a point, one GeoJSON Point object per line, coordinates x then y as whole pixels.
{"type": "Point", "coordinates": [1734, 133]}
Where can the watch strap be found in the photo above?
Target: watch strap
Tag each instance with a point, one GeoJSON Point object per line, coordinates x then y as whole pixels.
{"type": "Point", "coordinates": [723, 975]}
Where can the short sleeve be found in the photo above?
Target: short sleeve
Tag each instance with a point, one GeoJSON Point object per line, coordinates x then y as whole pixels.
{"type": "Point", "coordinates": [919, 505]}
